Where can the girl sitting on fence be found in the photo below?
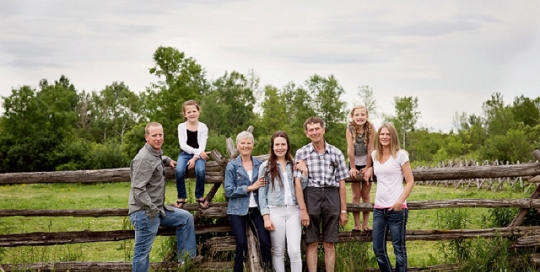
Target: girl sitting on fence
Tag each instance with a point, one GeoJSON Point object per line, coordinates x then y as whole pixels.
{"type": "Point", "coordinates": [192, 136]}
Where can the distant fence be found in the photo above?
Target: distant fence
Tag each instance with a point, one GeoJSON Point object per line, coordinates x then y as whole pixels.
{"type": "Point", "coordinates": [526, 236]}
{"type": "Point", "coordinates": [494, 184]}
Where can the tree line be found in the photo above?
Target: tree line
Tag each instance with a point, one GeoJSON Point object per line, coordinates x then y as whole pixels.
{"type": "Point", "coordinates": [58, 127]}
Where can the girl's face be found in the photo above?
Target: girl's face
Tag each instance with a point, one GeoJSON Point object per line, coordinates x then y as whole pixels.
{"type": "Point", "coordinates": [245, 146]}
{"type": "Point", "coordinates": [384, 137]}
{"type": "Point", "coordinates": [191, 113]}
{"type": "Point", "coordinates": [280, 147]}
{"type": "Point", "coordinates": [360, 116]}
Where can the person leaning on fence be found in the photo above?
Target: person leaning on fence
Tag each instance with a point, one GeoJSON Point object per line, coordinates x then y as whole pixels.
{"type": "Point", "coordinates": [390, 214]}
{"type": "Point", "coordinates": [241, 187]}
{"type": "Point", "coordinates": [360, 135]}
{"type": "Point", "coordinates": [323, 202]}
{"type": "Point", "coordinates": [278, 204]}
{"type": "Point", "coordinates": [147, 210]}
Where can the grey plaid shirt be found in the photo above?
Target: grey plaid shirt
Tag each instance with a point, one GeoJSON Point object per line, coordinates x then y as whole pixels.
{"type": "Point", "coordinates": [324, 170]}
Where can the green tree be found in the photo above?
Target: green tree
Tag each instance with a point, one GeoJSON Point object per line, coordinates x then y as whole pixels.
{"type": "Point", "coordinates": [366, 95]}
{"type": "Point", "coordinates": [299, 107]}
{"type": "Point", "coordinates": [327, 103]}
{"type": "Point", "coordinates": [115, 110]}
{"type": "Point", "coordinates": [179, 79]}
{"type": "Point", "coordinates": [525, 111]}
{"type": "Point", "coordinates": [405, 116]}
{"type": "Point", "coordinates": [35, 124]}
{"type": "Point", "coordinates": [512, 147]}
{"type": "Point", "coordinates": [499, 117]}
{"type": "Point", "coordinates": [234, 91]}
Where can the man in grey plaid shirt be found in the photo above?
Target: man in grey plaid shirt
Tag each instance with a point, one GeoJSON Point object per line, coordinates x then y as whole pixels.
{"type": "Point", "coordinates": [320, 191]}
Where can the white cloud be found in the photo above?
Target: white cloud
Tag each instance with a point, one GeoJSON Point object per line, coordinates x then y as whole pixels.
{"type": "Point", "coordinates": [451, 55]}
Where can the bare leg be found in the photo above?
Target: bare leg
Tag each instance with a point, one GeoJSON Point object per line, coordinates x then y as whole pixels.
{"type": "Point", "coordinates": [366, 188]}
{"type": "Point", "coordinates": [329, 256]}
{"type": "Point", "coordinates": [311, 256]}
{"type": "Point", "coordinates": [356, 193]}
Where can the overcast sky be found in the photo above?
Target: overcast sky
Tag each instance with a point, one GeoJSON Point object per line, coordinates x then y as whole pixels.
{"type": "Point", "coordinates": [451, 55]}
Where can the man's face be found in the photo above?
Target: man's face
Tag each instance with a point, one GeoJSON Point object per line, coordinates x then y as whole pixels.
{"type": "Point", "coordinates": [315, 132]}
{"type": "Point", "coordinates": [155, 137]}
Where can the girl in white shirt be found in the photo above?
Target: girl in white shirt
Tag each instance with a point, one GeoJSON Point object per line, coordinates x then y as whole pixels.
{"type": "Point", "coordinates": [192, 136]}
{"type": "Point", "coordinates": [391, 165]}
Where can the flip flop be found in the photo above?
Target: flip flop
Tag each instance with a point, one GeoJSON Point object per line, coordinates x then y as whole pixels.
{"type": "Point", "coordinates": [367, 229]}
{"type": "Point", "coordinates": [203, 203]}
{"type": "Point", "coordinates": [356, 230]}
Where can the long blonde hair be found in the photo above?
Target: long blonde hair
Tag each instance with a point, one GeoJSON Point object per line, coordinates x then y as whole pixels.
{"type": "Point", "coordinates": [368, 127]}
{"type": "Point", "coordinates": [394, 141]}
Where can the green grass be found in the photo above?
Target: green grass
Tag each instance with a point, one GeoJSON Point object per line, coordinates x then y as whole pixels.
{"type": "Point", "coordinates": [115, 195]}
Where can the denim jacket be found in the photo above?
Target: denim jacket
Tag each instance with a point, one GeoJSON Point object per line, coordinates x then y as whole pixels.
{"type": "Point", "coordinates": [274, 195]}
{"type": "Point", "coordinates": [236, 183]}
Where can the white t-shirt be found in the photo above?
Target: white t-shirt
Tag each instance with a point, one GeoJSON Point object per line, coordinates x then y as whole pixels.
{"type": "Point", "coordinates": [252, 202]}
{"type": "Point", "coordinates": [389, 179]}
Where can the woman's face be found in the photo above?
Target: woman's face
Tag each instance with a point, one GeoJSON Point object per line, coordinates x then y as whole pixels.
{"type": "Point", "coordinates": [280, 147]}
{"type": "Point", "coordinates": [384, 137]}
{"type": "Point", "coordinates": [245, 146]}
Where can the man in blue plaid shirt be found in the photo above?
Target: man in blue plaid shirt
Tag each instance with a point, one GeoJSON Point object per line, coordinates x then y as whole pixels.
{"type": "Point", "coordinates": [320, 191]}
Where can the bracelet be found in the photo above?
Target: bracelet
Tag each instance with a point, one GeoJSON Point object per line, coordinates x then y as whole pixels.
{"type": "Point", "coordinates": [343, 211]}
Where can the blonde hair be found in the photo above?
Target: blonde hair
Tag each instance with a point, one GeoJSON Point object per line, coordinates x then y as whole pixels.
{"type": "Point", "coordinates": [394, 141]}
{"type": "Point", "coordinates": [149, 125]}
{"type": "Point", "coordinates": [190, 103]}
{"type": "Point", "coordinates": [368, 127]}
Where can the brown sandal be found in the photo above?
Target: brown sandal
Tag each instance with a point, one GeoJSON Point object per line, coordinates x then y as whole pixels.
{"type": "Point", "coordinates": [203, 203]}
{"type": "Point", "coordinates": [180, 204]}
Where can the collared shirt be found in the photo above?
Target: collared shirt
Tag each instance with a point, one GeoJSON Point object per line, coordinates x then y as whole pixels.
{"type": "Point", "coordinates": [148, 182]}
{"type": "Point", "coordinates": [324, 170]}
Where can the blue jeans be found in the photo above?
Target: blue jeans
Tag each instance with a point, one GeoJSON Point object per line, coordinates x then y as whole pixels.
{"type": "Point", "coordinates": [239, 225]}
{"type": "Point", "coordinates": [200, 172]}
{"type": "Point", "coordinates": [147, 228]}
{"type": "Point", "coordinates": [385, 220]}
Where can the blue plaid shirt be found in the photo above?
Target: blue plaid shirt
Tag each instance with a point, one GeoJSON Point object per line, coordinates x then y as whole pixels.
{"type": "Point", "coordinates": [324, 170]}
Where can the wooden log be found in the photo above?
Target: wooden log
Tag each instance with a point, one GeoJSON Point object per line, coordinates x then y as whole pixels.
{"type": "Point", "coordinates": [215, 174]}
{"type": "Point", "coordinates": [518, 220]}
{"type": "Point", "coordinates": [536, 154]}
{"type": "Point", "coordinates": [253, 254]}
{"type": "Point", "coordinates": [173, 266]}
{"type": "Point", "coordinates": [527, 241]}
{"type": "Point", "coordinates": [219, 209]}
{"type": "Point", "coordinates": [88, 266]}
{"type": "Point", "coordinates": [86, 236]}
{"type": "Point", "coordinates": [227, 242]}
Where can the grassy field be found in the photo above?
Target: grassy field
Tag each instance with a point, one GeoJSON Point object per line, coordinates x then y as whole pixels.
{"type": "Point", "coordinates": [115, 195]}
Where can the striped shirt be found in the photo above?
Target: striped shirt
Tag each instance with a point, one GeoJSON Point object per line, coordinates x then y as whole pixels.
{"type": "Point", "coordinates": [324, 170]}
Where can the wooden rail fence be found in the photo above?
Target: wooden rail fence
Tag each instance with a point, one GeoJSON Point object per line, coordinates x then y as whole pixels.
{"type": "Point", "coordinates": [526, 236]}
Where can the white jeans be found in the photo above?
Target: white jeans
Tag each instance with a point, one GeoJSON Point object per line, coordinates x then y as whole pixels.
{"type": "Point", "coordinates": [287, 229]}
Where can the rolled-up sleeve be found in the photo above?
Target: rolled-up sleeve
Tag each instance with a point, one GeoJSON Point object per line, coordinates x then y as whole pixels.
{"type": "Point", "coordinates": [263, 194]}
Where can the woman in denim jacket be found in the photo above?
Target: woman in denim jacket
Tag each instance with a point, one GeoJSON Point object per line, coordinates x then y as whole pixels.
{"type": "Point", "coordinates": [278, 204]}
{"type": "Point", "coordinates": [241, 187]}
